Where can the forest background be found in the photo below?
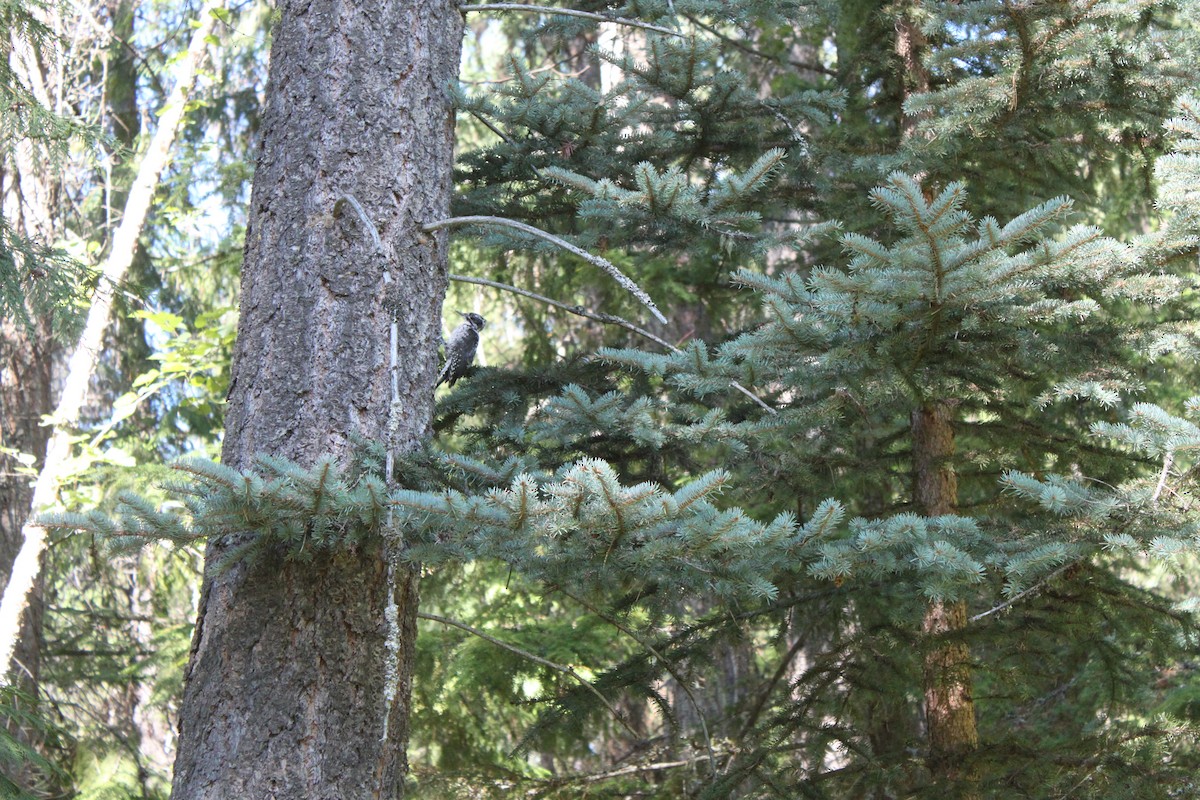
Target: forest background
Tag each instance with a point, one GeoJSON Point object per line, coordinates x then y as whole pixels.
{"type": "Point", "coordinates": [894, 503]}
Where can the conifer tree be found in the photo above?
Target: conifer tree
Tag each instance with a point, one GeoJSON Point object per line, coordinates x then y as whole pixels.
{"type": "Point", "coordinates": [1002, 97]}
{"type": "Point", "coordinates": [962, 330]}
{"type": "Point", "coordinates": [300, 665]}
{"type": "Point", "coordinates": [921, 505]}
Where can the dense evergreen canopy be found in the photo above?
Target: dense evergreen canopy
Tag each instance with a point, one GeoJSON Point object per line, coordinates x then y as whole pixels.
{"type": "Point", "coordinates": [895, 504]}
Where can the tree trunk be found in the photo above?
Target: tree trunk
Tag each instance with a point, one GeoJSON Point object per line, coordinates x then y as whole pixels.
{"type": "Point", "coordinates": [910, 49]}
{"type": "Point", "coordinates": [28, 199]}
{"type": "Point", "coordinates": [298, 684]}
{"type": "Point", "coordinates": [29, 195]}
{"type": "Point", "coordinates": [949, 704]}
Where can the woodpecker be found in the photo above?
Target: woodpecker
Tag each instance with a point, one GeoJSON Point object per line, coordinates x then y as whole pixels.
{"type": "Point", "coordinates": [460, 350]}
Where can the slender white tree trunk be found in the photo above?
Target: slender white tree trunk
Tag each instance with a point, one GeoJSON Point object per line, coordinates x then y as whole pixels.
{"type": "Point", "coordinates": [85, 356]}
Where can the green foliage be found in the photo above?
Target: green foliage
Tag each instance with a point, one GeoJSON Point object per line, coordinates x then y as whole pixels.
{"type": "Point", "coordinates": [1178, 173]}
{"type": "Point", "coordinates": [978, 315]}
{"type": "Point", "coordinates": [37, 281]}
{"type": "Point", "coordinates": [639, 520]}
{"type": "Point", "coordinates": [1014, 326]}
{"type": "Point", "coordinates": [189, 382]}
{"type": "Point", "coordinates": [25, 773]}
{"type": "Point", "coordinates": [25, 117]}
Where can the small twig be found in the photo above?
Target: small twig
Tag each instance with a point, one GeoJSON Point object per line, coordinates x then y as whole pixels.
{"type": "Point", "coordinates": [761, 403]}
{"type": "Point", "coordinates": [1087, 776]}
{"type": "Point", "coordinates": [608, 319]}
{"type": "Point", "coordinates": [554, 67]}
{"type": "Point", "coordinates": [565, 670]}
{"type": "Point", "coordinates": [633, 769]}
{"type": "Point", "coordinates": [595, 260]}
{"type": "Point", "coordinates": [392, 610]}
{"type": "Point", "coordinates": [1021, 596]}
{"type": "Point", "coordinates": [568, 12]}
{"type": "Point", "coordinates": [745, 48]}
{"type": "Point", "coordinates": [491, 127]}
{"type": "Point", "coordinates": [776, 677]}
{"type": "Point", "coordinates": [1168, 462]}
{"type": "Point", "coordinates": [577, 310]}
{"type": "Point", "coordinates": [362, 216]}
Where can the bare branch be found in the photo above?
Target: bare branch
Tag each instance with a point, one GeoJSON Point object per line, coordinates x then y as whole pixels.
{"type": "Point", "coordinates": [1021, 596]}
{"type": "Point", "coordinates": [633, 769]}
{"type": "Point", "coordinates": [491, 127]}
{"type": "Point", "coordinates": [608, 319]}
{"type": "Point", "coordinates": [569, 12]}
{"type": "Point", "coordinates": [595, 260]}
{"type": "Point", "coordinates": [758, 400]}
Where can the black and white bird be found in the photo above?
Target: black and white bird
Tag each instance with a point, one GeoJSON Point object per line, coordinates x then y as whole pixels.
{"type": "Point", "coordinates": [460, 350]}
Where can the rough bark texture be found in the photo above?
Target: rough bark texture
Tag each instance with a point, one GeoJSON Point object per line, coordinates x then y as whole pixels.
{"type": "Point", "coordinates": [949, 704]}
{"type": "Point", "coordinates": [289, 691]}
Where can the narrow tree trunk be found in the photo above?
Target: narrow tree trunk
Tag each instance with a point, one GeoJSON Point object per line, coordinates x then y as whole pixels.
{"type": "Point", "coordinates": [298, 685]}
{"type": "Point", "coordinates": [910, 49]}
{"type": "Point", "coordinates": [949, 704]}
{"type": "Point", "coordinates": [150, 726]}
{"type": "Point", "coordinates": [28, 198]}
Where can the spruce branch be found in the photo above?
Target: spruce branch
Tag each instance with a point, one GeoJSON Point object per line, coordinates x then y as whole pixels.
{"type": "Point", "coordinates": [528, 656]}
{"type": "Point", "coordinates": [569, 12]}
{"type": "Point", "coordinates": [595, 260]}
{"type": "Point", "coordinates": [607, 319]}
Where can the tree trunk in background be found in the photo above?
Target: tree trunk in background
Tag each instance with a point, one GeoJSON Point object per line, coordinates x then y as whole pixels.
{"type": "Point", "coordinates": [26, 369]}
{"type": "Point", "coordinates": [949, 704]}
{"type": "Point", "coordinates": [28, 202]}
{"type": "Point", "coordinates": [149, 726]}
{"type": "Point", "coordinates": [293, 690]}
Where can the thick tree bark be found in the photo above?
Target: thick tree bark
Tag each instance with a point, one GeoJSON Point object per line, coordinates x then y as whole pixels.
{"type": "Point", "coordinates": [298, 685]}
{"type": "Point", "coordinates": [949, 704]}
